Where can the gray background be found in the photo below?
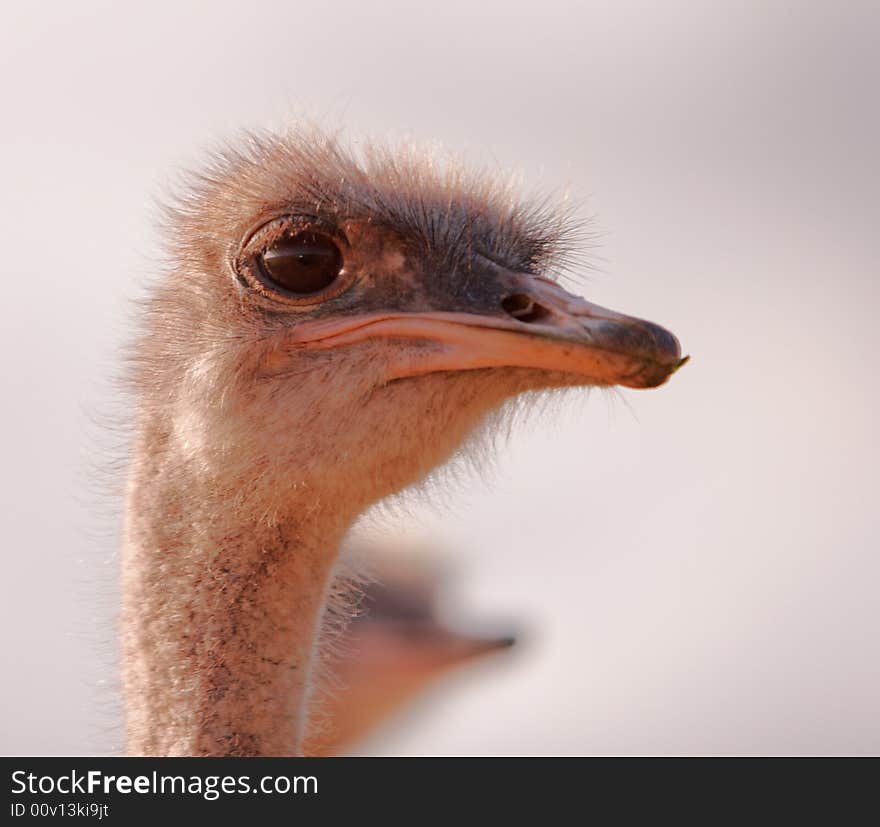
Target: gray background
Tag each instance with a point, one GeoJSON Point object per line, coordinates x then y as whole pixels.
{"type": "Point", "coordinates": [697, 566]}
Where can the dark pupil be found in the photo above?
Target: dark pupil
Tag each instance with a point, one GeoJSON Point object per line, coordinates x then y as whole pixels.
{"type": "Point", "coordinates": [302, 263]}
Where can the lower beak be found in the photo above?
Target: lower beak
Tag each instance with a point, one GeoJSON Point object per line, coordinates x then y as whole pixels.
{"type": "Point", "coordinates": [539, 325]}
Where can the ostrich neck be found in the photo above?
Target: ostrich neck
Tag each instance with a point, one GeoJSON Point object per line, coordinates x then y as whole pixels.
{"type": "Point", "coordinates": [221, 611]}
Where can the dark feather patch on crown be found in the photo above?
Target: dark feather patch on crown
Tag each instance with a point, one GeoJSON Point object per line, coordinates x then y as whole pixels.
{"type": "Point", "coordinates": [431, 198]}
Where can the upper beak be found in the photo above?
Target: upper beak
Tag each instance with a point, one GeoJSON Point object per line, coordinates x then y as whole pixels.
{"type": "Point", "coordinates": [539, 325]}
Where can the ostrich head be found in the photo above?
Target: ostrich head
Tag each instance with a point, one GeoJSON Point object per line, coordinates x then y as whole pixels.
{"type": "Point", "coordinates": [330, 329]}
{"type": "Point", "coordinates": [341, 324]}
{"type": "Point", "coordinates": [396, 646]}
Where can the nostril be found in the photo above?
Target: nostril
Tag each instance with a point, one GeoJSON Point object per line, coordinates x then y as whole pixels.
{"type": "Point", "coordinates": [524, 308]}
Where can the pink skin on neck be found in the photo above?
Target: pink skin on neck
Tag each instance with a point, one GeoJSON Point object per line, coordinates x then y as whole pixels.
{"type": "Point", "coordinates": [219, 620]}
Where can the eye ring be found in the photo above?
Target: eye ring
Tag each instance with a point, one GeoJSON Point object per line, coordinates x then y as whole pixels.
{"type": "Point", "coordinates": [298, 260]}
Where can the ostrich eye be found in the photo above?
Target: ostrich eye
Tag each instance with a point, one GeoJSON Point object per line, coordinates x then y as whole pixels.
{"type": "Point", "coordinates": [304, 263]}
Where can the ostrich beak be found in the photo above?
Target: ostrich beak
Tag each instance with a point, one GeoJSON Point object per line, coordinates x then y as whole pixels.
{"type": "Point", "coordinates": [538, 325]}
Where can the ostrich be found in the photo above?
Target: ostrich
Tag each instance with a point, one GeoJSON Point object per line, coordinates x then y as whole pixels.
{"type": "Point", "coordinates": [394, 648]}
{"type": "Point", "coordinates": [331, 326]}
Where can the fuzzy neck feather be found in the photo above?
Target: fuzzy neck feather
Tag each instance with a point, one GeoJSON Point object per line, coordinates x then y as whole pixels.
{"type": "Point", "coordinates": [220, 618]}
